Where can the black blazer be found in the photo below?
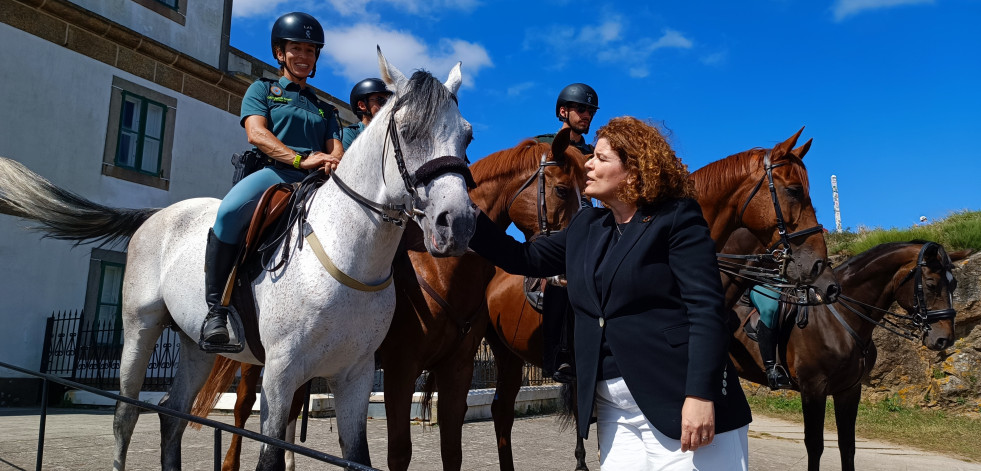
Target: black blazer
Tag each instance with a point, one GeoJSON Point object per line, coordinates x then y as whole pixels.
{"type": "Point", "coordinates": [660, 303]}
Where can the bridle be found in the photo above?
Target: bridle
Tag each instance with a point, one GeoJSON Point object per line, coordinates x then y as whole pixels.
{"type": "Point", "coordinates": [782, 257]}
{"type": "Point", "coordinates": [785, 238]}
{"type": "Point", "coordinates": [922, 316]}
{"type": "Point", "coordinates": [425, 174]}
{"type": "Point", "coordinates": [538, 175]}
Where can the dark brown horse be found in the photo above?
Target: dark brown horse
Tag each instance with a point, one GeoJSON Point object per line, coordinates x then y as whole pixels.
{"type": "Point", "coordinates": [734, 193]}
{"type": "Point", "coordinates": [834, 352]}
{"type": "Point", "coordinates": [440, 312]}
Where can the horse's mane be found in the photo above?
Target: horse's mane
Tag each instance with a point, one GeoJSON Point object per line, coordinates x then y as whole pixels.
{"type": "Point", "coordinates": [862, 259]}
{"type": "Point", "coordinates": [727, 172]}
{"type": "Point", "coordinates": [426, 95]}
{"type": "Point", "coordinates": [508, 163]}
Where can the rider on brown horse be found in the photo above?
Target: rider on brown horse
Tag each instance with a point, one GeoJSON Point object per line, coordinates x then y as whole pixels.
{"type": "Point", "coordinates": [575, 107]}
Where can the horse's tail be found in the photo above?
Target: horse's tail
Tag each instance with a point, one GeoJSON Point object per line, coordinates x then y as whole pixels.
{"type": "Point", "coordinates": [567, 416]}
{"type": "Point", "coordinates": [427, 396]}
{"type": "Point", "coordinates": [61, 214]}
{"type": "Point", "coordinates": [222, 375]}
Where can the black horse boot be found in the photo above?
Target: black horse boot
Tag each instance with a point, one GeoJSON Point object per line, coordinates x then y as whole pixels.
{"type": "Point", "coordinates": [776, 375]}
{"type": "Point", "coordinates": [219, 258]}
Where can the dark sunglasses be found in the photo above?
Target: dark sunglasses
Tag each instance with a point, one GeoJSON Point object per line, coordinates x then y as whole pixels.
{"type": "Point", "coordinates": [381, 100]}
{"type": "Point", "coordinates": [581, 108]}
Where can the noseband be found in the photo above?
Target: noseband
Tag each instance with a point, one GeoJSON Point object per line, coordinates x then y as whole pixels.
{"type": "Point", "coordinates": [425, 174]}
{"type": "Point", "coordinates": [542, 205]}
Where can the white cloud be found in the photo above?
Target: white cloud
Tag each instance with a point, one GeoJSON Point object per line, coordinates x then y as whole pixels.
{"type": "Point", "coordinates": [605, 41]}
{"type": "Point", "coordinates": [246, 8]}
{"type": "Point", "coordinates": [518, 89]}
{"type": "Point", "coordinates": [349, 8]}
{"type": "Point", "coordinates": [716, 58]}
{"type": "Point", "coordinates": [350, 52]}
{"type": "Point", "coordinates": [845, 8]}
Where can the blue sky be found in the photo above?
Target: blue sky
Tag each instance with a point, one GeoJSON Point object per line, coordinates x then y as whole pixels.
{"type": "Point", "coordinates": [890, 90]}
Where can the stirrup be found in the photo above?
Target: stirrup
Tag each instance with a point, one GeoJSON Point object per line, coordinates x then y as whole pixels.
{"type": "Point", "coordinates": [211, 347]}
{"type": "Point", "coordinates": [777, 378]}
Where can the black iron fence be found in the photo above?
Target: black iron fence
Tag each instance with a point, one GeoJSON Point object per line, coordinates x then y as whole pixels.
{"type": "Point", "coordinates": [89, 353]}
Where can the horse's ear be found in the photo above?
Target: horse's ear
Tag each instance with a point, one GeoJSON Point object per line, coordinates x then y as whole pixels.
{"type": "Point", "coordinates": [456, 79]}
{"type": "Point", "coordinates": [800, 151]}
{"type": "Point", "coordinates": [783, 148]}
{"type": "Point", "coordinates": [560, 144]}
{"type": "Point", "coordinates": [390, 75]}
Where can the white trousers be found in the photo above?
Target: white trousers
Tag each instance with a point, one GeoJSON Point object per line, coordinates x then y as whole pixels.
{"type": "Point", "coordinates": [628, 441]}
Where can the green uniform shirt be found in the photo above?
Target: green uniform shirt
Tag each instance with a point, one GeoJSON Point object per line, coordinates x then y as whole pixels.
{"type": "Point", "coordinates": [351, 132]}
{"type": "Point", "coordinates": [581, 145]}
{"type": "Point", "coordinates": [295, 115]}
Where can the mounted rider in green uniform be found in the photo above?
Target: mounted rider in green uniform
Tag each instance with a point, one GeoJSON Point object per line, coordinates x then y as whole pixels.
{"type": "Point", "coordinates": [575, 107]}
{"type": "Point", "coordinates": [294, 132]}
{"type": "Point", "coordinates": [367, 97]}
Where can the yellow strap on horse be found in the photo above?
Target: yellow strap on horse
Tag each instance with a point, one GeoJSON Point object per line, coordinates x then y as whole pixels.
{"type": "Point", "coordinates": [338, 275]}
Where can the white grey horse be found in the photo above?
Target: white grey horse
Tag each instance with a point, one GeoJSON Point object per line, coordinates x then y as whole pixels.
{"type": "Point", "coordinates": [310, 323]}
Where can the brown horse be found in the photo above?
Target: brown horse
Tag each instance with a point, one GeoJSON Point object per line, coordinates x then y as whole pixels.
{"type": "Point", "coordinates": [729, 192]}
{"type": "Point", "coordinates": [440, 313]}
{"type": "Point", "coordinates": [834, 352]}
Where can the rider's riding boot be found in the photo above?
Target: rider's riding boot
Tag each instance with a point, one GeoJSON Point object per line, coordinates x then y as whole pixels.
{"type": "Point", "coordinates": [564, 372]}
{"type": "Point", "coordinates": [776, 375]}
{"type": "Point", "coordinates": [219, 258]}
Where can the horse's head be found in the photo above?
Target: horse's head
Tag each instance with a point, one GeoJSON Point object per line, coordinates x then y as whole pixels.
{"type": "Point", "coordinates": [535, 185]}
{"type": "Point", "coordinates": [776, 207]}
{"type": "Point", "coordinates": [430, 138]}
{"type": "Point", "coordinates": [925, 289]}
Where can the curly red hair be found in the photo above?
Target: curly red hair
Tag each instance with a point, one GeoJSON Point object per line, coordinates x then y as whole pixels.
{"type": "Point", "coordinates": [656, 173]}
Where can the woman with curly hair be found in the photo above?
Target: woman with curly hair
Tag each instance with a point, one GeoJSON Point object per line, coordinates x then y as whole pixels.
{"type": "Point", "coordinates": [650, 331]}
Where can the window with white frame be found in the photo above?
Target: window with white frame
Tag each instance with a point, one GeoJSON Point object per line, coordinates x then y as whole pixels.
{"type": "Point", "coordinates": [139, 134]}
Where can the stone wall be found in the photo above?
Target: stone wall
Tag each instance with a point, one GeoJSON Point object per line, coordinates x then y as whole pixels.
{"type": "Point", "coordinates": [949, 379]}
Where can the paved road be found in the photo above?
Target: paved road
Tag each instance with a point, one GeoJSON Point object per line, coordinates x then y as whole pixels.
{"type": "Point", "coordinates": [82, 440]}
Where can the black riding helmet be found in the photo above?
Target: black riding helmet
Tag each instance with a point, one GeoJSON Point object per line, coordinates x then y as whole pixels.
{"type": "Point", "coordinates": [297, 27]}
{"type": "Point", "coordinates": [364, 88]}
{"type": "Point", "coordinates": [576, 93]}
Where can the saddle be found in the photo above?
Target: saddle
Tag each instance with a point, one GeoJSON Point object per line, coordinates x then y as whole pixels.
{"type": "Point", "coordinates": [788, 312]}
{"type": "Point", "coordinates": [269, 227]}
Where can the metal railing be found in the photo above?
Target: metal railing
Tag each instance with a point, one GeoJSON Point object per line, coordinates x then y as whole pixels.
{"type": "Point", "coordinates": [218, 426]}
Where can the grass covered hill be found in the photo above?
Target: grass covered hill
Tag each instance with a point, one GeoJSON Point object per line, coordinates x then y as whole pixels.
{"type": "Point", "coordinates": [958, 231]}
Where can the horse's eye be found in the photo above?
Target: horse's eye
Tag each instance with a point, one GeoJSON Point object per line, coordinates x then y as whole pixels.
{"type": "Point", "coordinates": [562, 192]}
{"type": "Point", "coordinates": [795, 192]}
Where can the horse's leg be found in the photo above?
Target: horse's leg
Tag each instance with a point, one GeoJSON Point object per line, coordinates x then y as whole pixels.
{"type": "Point", "coordinates": [140, 334]}
{"type": "Point", "coordinates": [846, 411]}
{"type": "Point", "coordinates": [453, 379]}
{"type": "Point", "coordinates": [351, 406]}
{"type": "Point", "coordinates": [571, 404]}
{"type": "Point", "coordinates": [277, 387]}
{"type": "Point", "coordinates": [295, 409]}
{"type": "Point", "coordinates": [509, 372]}
{"type": "Point", "coordinates": [193, 369]}
{"type": "Point", "coordinates": [399, 388]}
{"type": "Point", "coordinates": [244, 400]}
{"type": "Point", "coordinates": [813, 407]}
